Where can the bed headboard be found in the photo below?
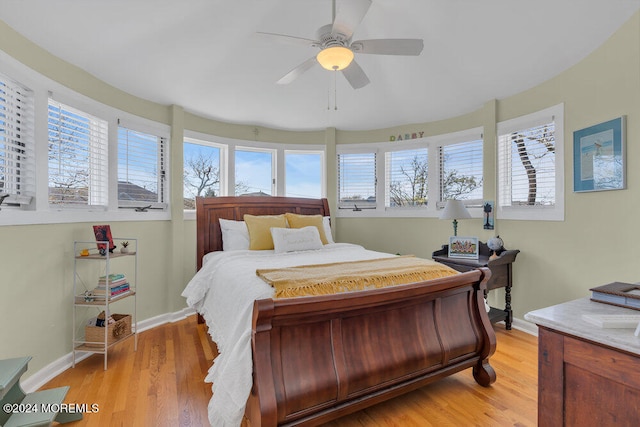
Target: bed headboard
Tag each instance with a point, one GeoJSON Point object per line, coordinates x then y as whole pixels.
{"type": "Point", "coordinates": [210, 209]}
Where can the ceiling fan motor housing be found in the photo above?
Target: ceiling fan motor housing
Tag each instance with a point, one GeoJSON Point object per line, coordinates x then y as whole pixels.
{"type": "Point", "coordinates": [329, 39]}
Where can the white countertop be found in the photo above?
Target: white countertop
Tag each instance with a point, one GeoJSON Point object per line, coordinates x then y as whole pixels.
{"type": "Point", "coordinates": [567, 318]}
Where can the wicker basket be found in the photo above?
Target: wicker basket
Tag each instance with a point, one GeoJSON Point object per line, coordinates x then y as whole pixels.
{"type": "Point", "coordinates": [94, 335]}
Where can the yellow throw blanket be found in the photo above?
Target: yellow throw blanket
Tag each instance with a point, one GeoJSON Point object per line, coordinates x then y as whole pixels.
{"type": "Point", "coordinates": [323, 279]}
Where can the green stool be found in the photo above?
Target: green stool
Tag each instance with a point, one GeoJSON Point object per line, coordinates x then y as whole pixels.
{"type": "Point", "coordinates": [37, 409]}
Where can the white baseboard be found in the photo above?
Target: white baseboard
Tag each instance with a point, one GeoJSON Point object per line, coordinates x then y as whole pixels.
{"type": "Point", "coordinates": [524, 326]}
{"type": "Point", "coordinates": [55, 368]}
{"type": "Point", "coordinates": [161, 319]}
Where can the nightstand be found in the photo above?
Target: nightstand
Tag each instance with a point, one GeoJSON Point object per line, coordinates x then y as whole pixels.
{"type": "Point", "coordinates": [501, 274]}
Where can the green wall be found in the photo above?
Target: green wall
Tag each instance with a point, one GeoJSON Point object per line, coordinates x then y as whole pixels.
{"type": "Point", "coordinates": [36, 283]}
{"type": "Point", "coordinates": [559, 260]}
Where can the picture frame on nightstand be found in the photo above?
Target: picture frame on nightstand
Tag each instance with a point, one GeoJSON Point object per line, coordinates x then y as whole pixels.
{"type": "Point", "coordinates": [463, 247]}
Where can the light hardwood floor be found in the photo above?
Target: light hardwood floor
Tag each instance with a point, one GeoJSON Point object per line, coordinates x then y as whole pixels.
{"type": "Point", "coordinates": [162, 385]}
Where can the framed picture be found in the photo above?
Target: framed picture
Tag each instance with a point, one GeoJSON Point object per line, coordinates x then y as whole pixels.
{"type": "Point", "coordinates": [599, 157]}
{"type": "Point", "coordinates": [463, 247]}
{"type": "Point", "coordinates": [487, 209]}
{"type": "Point", "coordinates": [103, 234]}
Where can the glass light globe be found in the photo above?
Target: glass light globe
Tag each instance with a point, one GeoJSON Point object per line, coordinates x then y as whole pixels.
{"type": "Point", "coordinates": [335, 58]}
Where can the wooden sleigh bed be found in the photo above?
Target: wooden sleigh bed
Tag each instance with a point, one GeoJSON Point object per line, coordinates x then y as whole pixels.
{"type": "Point", "coordinates": [318, 358]}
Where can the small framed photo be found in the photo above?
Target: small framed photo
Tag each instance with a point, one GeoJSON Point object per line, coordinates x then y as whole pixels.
{"type": "Point", "coordinates": [103, 234]}
{"type": "Point", "coordinates": [463, 247]}
{"type": "Point", "coordinates": [488, 209]}
{"type": "Point", "coordinates": [599, 157]}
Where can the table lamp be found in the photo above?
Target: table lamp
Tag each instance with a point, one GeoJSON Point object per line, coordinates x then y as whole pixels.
{"type": "Point", "coordinates": [455, 210]}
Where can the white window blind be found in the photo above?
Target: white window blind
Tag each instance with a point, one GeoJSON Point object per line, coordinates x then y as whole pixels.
{"type": "Point", "coordinates": [77, 157]}
{"type": "Point", "coordinates": [527, 166]}
{"type": "Point", "coordinates": [461, 172]}
{"type": "Point", "coordinates": [406, 178]}
{"type": "Point", "coordinates": [356, 179]}
{"type": "Point", "coordinates": [17, 165]}
{"type": "Point", "coordinates": [141, 169]}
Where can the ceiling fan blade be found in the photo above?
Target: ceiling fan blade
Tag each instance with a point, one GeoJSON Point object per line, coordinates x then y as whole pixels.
{"type": "Point", "coordinates": [348, 15]}
{"type": "Point", "coordinates": [389, 46]}
{"type": "Point", "coordinates": [355, 75]}
{"type": "Point", "coordinates": [298, 71]}
{"type": "Point", "coordinates": [290, 40]}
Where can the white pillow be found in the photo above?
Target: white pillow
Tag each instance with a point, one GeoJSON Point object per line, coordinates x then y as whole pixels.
{"type": "Point", "coordinates": [295, 239]}
{"type": "Point", "coordinates": [327, 229]}
{"type": "Point", "coordinates": [235, 235]}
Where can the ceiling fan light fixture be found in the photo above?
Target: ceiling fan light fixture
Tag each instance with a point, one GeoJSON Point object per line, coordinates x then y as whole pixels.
{"type": "Point", "coordinates": [335, 58]}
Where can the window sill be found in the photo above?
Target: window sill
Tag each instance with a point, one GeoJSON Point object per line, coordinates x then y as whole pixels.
{"type": "Point", "coordinates": [10, 217]}
{"type": "Point", "coordinates": [418, 212]}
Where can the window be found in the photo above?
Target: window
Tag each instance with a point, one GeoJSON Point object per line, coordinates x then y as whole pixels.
{"type": "Point", "coordinates": [202, 175]}
{"type": "Point", "coordinates": [141, 169]}
{"type": "Point", "coordinates": [77, 157]}
{"type": "Point", "coordinates": [254, 172]}
{"type": "Point", "coordinates": [217, 166]}
{"type": "Point", "coordinates": [406, 178]}
{"type": "Point", "coordinates": [461, 172]}
{"type": "Point", "coordinates": [417, 175]}
{"type": "Point", "coordinates": [530, 183]}
{"type": "Point", "coordinates": [17, 166]}
{"type": "Point", "coordinates": [357, 179]}
{"type": "Point", "coordinates": [303, 174]}
{"type": "Point", "coordinates": [61, 155]}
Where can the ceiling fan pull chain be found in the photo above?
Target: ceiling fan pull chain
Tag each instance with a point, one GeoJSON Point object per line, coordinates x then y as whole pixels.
{"type": "Point", "coordinates": [335, 91]}
{"type": "Point", "coordinates": [328, 99]}
{"type": "Point", "coordinates": [329, 95]}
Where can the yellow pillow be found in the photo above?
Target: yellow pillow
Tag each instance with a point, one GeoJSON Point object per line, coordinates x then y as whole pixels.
{"type": "Point", "coordinates": [299, 221]}
{"type": "Point", "coordinates": [260, 230]}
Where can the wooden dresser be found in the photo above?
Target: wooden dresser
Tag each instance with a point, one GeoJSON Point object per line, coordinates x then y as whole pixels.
{"type": "Point", "coordinates": [587, 375]}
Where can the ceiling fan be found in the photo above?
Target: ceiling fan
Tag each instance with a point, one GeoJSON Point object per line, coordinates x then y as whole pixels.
{"type": "Point", "coordinates": [337, 49]}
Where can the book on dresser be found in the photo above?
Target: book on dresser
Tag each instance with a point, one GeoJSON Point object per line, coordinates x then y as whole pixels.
{"type": "Point", "coordinates": [618, 293]}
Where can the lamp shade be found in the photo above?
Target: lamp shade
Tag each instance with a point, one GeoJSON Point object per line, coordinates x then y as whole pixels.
{"type": "Point", "coordinates": [335, 58]}
{"type": "Point", "coordinates": [455, 209]}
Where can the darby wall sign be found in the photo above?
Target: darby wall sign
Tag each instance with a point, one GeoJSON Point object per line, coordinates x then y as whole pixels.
{"type": "Point", "coordinates": [414, 135]}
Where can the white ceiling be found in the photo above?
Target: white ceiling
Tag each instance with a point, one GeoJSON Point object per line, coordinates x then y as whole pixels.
{"type": "Point", "coordinates": [204, 54]}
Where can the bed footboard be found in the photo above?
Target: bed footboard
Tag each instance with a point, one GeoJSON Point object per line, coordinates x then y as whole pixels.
{"type": "Point", "coordinates": [316, 359]}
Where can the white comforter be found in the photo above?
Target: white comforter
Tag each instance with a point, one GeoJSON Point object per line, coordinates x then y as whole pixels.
{"type": "Point", "coordinates": [223, 291]}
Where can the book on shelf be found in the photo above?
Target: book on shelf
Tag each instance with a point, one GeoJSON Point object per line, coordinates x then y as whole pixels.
{"type": "Point", "coordinates": [113, 278]}
{"type": "Point", "coordinates": [618, 293]}
{"type": "Point", "coordinates": [113, 291]}
{"type": "Point", "coordinates": [112, 284]}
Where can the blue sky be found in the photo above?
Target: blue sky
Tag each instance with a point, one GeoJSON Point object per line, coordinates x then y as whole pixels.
{"type": "Point", "coordinates": [303, 175]}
